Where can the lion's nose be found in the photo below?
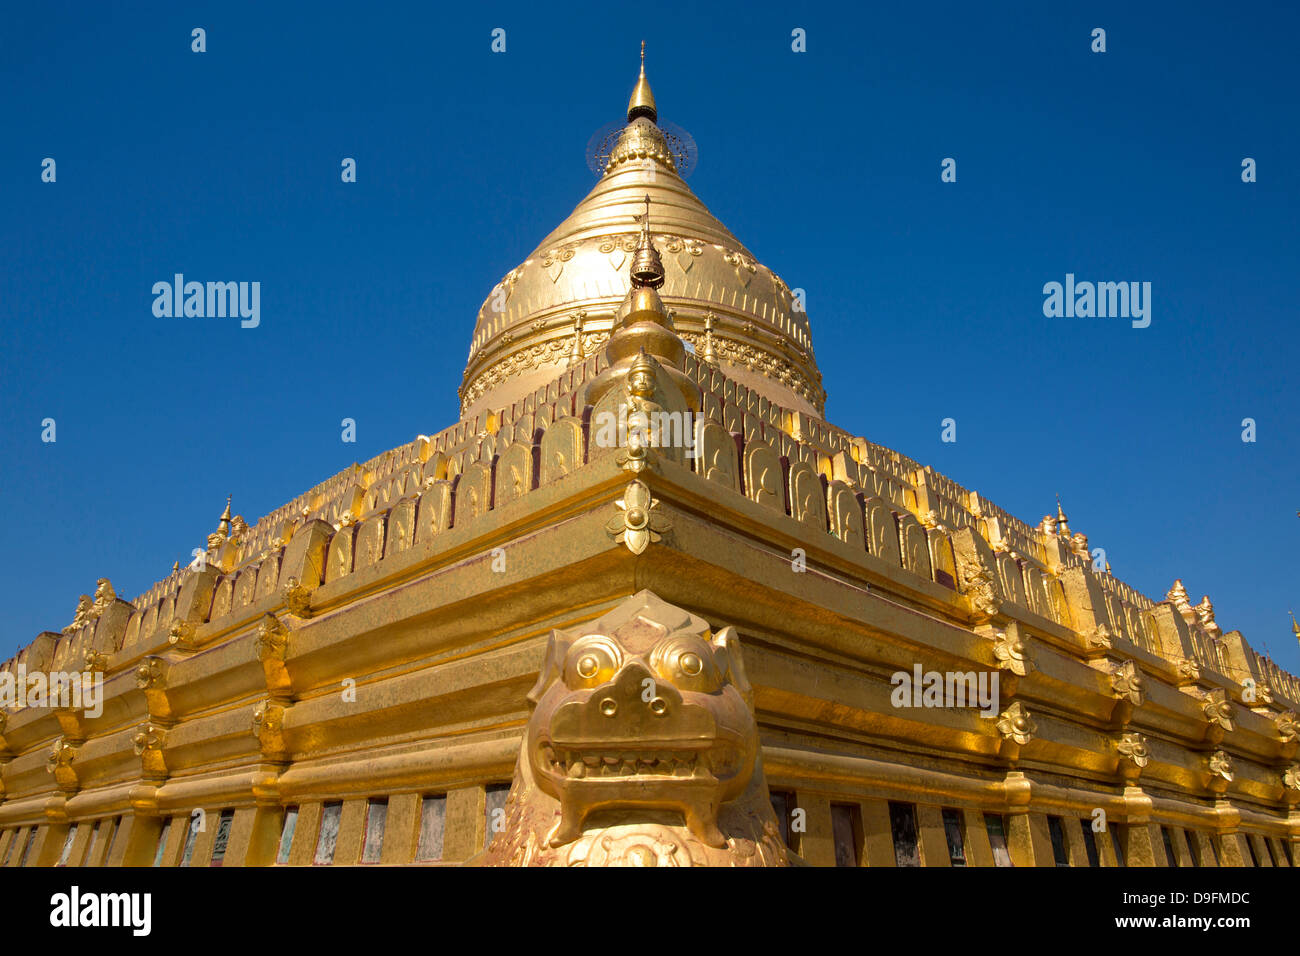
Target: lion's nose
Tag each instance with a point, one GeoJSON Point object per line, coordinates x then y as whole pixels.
{"type": "Point", "coordinates": [633, 687]}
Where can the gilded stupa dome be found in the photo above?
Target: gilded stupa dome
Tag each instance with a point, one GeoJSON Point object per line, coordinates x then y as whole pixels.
{"type": "Point", "coordinates": [558, 306]}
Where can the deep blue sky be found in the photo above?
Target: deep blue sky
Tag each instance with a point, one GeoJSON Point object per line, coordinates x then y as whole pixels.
{"type": "Point", "coordinates": [925, 299]}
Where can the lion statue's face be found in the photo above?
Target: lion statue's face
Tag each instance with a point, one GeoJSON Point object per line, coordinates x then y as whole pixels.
{"type": "Point", "coordinates": [639, 714]}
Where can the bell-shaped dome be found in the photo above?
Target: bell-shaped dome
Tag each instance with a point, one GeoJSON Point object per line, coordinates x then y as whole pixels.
{"type": "Point", "coordinates": [731, 309]}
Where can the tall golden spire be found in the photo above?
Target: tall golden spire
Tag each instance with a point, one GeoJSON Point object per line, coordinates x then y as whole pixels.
{"type": "Point", "coordinates": [642, 102]}
{"type": "Point", "coordinates": [1295, 628]}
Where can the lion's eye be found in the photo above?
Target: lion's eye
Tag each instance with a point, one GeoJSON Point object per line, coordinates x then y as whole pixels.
{"type": "Point", "coordinates": [687, 663]}
{"type": "Point", "coordinates": [592, 661]}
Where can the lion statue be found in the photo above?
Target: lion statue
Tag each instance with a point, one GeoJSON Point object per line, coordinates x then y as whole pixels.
{"type": "Point", "coordinates": [642, 750]}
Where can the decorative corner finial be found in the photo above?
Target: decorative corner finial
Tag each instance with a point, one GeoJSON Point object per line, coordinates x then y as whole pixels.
{"type": "Point", "coordinates": [642, 102]}
{"type": "Point", "coordinates": [1295, 628]}
{"type": "Point", "coordinates": [647, 268]}
{"type": "Point", "coordinates": [1062, 522]}
{"type": "Point", "coordinates": [218, 537]}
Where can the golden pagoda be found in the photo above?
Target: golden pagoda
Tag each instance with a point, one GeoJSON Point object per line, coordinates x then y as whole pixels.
{"type": "Point", "coordinates": [643, 605]}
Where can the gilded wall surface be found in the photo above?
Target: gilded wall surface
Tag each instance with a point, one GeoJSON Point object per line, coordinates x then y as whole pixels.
{"type": "Point", "coordinates": [522, 641]}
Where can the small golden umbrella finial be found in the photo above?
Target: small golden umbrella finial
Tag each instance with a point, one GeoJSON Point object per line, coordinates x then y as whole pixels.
{"type": "Point", "coordinates": [642, 102]}
{"type": "Point", "coordinates": [1062, 522]}
{"type": "Point", "coordinates": [647, 267]}
{"type": "Point", "coordinates": [1295, 628]}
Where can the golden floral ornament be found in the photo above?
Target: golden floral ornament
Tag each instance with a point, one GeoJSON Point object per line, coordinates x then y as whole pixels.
{"type": "Point", "coordinates": [1291, 777]}
{"type": "Point", "coordinates": [1127, 683]}
{"type": "Point", "coordinates": [59, 763]}
{"type": "Point", "coordinates": [1218, 709]}
{"type": "Point", "coordinates": [1288, 728]}
{"type": "Point", "coordinates": [685, 251]}
{"type": "Point", "coordinates": [554, 260]}
{"type": "Point", "coordinates": [1016, 725]}
{"type": "Point", "coordinates": [181, 633]}
{"type": "Point", "coordinates": [151, 673]}
{"type": "Point", "coordinates": [61, 754]}
{"type": "Point", "coordinates": [268, 726]}
{"type": "Point", "coordinates": [296, 597]}
{"type": "Point", "coordinates": [268, 716]}
{"type": "Point", "coordinates": [1262, 693]}
{"type": "Point", "coordinates": [95, 662]}
{"type": "Point", "coordinates": [1189, 669]}
{"type": "Point", "coordinates": [1012, 653]}
{"type": "Point", "coordinates": [1133, 748]}
{"type": "Point", "coordinates": [744, 266]}
{"type": "Point", "coordinates": [639, 522]}
{"type": "Point", "coordinates": [149, 737]}
{"type": "Point", "coordinates": [1220, 765]}
{"type": "Point", "coordinates": [1101, 637]}
{"type": "Point", "coordinates": [272, 638]}
{"type": "Point", "coordinates": [618, 248]}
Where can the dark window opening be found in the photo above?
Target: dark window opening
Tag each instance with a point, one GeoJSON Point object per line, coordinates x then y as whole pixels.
{"type": "Point", "coordinates": [1060, 854]}
{"type": "Point", "coordinates": [286, 834]}
{"type": "Point", "coordinates": [902, 823]}
{"type": "Point", "coordinates": [783, 806]}
{"type": "Point", "coordinates": [1118, 844]}
{"type": "Point", "coordinates": [222, 839]}
{"type": "Point", "coordinates": [496, 811]}
{"type": "Point", "coordinates": [1250, 845]}
{"type": "Point", "coordinates": [846, 830]}
{"type": "Point", "coordinates": [328, 838]}
{"type": "Point", "coordinates": [376, 820]}
{"type": "Point", "coordinates": [433, 816]}
{"type": "Point", "coordinates": [952, 833]}
{"type": "Point", "coordinates": [162, 842]}
{"type": "Point", "coordinates": [997, 829]}
{"type": "Point", "coordinates": [1169, 846]}
{"type": "Point", "coordinates": [1090, 842]}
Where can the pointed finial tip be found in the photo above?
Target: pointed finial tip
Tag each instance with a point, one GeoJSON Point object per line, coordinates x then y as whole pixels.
{"type": "Point", "coordinates": [642, 102]}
